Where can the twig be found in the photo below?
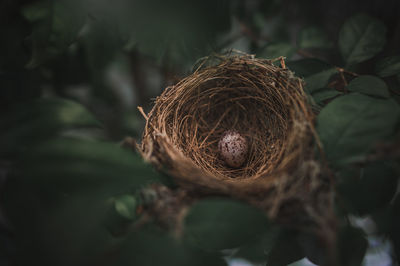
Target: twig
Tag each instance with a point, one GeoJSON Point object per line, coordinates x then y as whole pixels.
{"type": "Point", "coordinates": [142, 112]}
{"type": "Point", "coordinates": [342, 70]}
{"type": "Point", "coordinates": [283, 62]}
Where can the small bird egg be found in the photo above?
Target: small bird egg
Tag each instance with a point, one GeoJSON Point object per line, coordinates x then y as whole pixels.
{"type": "Point", "coordinates": [233, 148]}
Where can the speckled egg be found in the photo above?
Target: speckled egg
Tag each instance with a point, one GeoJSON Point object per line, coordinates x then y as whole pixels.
{"type": "Point", "coordinates": [233, 148]}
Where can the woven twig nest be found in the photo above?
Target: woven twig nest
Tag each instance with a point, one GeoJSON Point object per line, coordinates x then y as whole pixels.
{"type": "Point", "coordinates": [263, 103]}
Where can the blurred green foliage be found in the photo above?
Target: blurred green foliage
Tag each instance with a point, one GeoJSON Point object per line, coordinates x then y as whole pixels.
{"type": "Point", "coordinates": [209, 224]}
{"type": "Point", "coordinates": [349, 126]}
{"type": "Point", "coordinates": [72, 73]}
{"type": "Point", "coordinates": [360, 38]}
{"type": "Point", "coordinates": [40, 119]}
{"type": "Point", "coordinates": [369, 85]}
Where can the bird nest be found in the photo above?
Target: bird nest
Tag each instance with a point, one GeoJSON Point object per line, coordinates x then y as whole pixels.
{"type": "Point", "coordinates": [263, 102]}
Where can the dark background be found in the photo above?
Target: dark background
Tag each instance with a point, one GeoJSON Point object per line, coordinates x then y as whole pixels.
{"type": "Point", "coordinates": [108, 57]}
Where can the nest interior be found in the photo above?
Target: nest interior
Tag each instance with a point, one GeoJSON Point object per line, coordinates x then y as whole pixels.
{"type": "Point", "coordinates": [264, 103]}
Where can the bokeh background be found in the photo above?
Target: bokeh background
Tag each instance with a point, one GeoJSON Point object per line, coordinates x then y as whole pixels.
{"type": "Point", "coordinates": [115, 55]}
{"type": "Point", "coordinates": [112, 56]}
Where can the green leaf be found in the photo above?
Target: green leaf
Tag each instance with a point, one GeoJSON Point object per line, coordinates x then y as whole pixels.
{"type": "Point", "coordinates": [322, 95]}
{"type": "Point", "coordinates": [369, 85]}
{"type": "Point", "coordinates": [308, 66]}
{"type": "Point", "coordinates": [121, 214]}
{"type": "Point", "coordinates": [56, 26]}
{"type": "Point", "coordinates": [314, 106]}
{"type": "Point", "coordinates": [68, 18]}
{"type": "Point", "coordinates": [37, 11]}
{"type": "Point", "coordinates": [277, 49]}
{"type": "Point", "coordinates": [257, 250]}
{"type": "Point", "coordinates": [286, 249]}
{"type": "Point", "coordinates": [151, 247]}
{"type": "Point", "coordinates": [313, 37]}
{"type": "Point", "coordinates": [352, 246]}
{"type": "Point", "coordinates": [215, 224]}
{"type": "Point", "coordinates": [278, 247]}
{"type": "Point", "coordinates": [173, 32]}
{"type": "Point", "coordinates": [319, 80]}
{"type": "Point", "coordinates": [360, 38]}
{"type": "Point", "coordinates": [41, 119]}
{"type": "Point", "coordinates": [316, 73]}
{"type": "Point", "coordinates": [56, 229]}
{"type": "Point", "coordinates": [311, 245]}
{"type": "Point", "coordinates": [349, 125]}
{"type": "Point", "coordinates": [388, 66]}
{"type": "Point", "coordinates": [125, 206]}
{"type": "Point", "coordinates": [72, 165]}
{"type": "Point", "coordinates": [368, 189]}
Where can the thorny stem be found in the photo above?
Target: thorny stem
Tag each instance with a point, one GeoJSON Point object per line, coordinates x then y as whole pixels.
{"type": "Point", "coordinates": [342, 71]}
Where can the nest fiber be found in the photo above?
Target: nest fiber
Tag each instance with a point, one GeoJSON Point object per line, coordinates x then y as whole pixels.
{"type": "Point", "coordinates": [265, 103]}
